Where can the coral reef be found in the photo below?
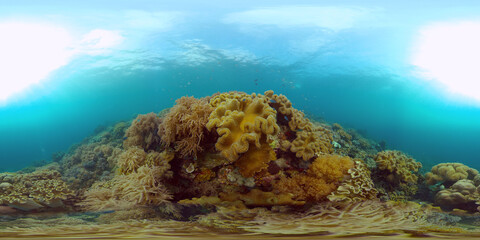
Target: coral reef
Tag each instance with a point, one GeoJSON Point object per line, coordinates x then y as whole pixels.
{"type": "Point", "coordinates": [88, 163]}
{"type": "Point", "coordinates": [255, 160]}
{"type": "Point", "coordinates": [143, 132]}
{"type": "Point", "coordinates": [246, 162]}
{"type": "Point", "coordinates": [139, 188]}
{"type": "Point", "coordinates": [399, 168]}
{"type": "Point", "coordinates": [462, 195]}
{"type": "Point", "coordinates": [34, 191]}
{"type": "Point", "coordinates": [350, 143]}
{"type": "Point", "coordinates": [357, 187]}
{"type": "Point", "coordinates": [307, 144]}
{"type": "Point", "coordinates": [321, 178]}
{"type": "Point", "coordinates": [240, 123]}
{"type": "Point", "coordinates": [449, 173]}
{"type": "Point", "coordinates": [396, 175]}
{"type": "Point", "coordinates": [184, 126]}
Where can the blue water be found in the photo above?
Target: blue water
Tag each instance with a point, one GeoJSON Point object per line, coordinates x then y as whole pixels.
{"type": "Point", "coordinates": [357, 74]}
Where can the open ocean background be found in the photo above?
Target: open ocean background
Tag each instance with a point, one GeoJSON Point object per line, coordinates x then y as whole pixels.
{"type": "Point", "coordinates": [343, 61]}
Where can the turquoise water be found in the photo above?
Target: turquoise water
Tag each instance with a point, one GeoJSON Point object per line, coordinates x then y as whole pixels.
{"type": "Point", "coordinates": [354, 70]}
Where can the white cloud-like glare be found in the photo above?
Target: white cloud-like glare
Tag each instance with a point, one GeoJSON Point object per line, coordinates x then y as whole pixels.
{"type": "Point", "coordinates": [99, 41]}
{"type": "Point", "coordinates": [332, 18]}
{"type": "Point", "coordinates": [449, 52]}
{"type": "Point", "coordinates": [29, 52]}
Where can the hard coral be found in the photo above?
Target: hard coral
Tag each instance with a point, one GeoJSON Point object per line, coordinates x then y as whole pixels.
{"type": "Point", "coordinates": [87, 163]}
{"type": "Point", "coordinates": [143, 132]}
{"type": "Point", "coordinates": [462, 195]}
{"type": "Point", "coordinates": [449, 173]}
{"type": "Point", "coordinates": [37, 190]}
{"type": "Point", "coordinates": [184, 125]}
{"type": "Point", "coordinates": [240, 123]}
{"type": "Point", "coordinates": [358, 186]}
{"type": "Point", "coordinates": [398, 167]}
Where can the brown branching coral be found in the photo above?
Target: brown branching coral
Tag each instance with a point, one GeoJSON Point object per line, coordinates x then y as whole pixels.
{"type": "Point", "coordinates": [184, 125]}
{"type": "Point", "coordinates": [322, 178]}
{"type": "Point", "coordinates": [399, 168]}
{"type": "Point", "coordinates": [133, 158]}
{"type": "Point", "coordinates": [143, 132]}
{"type": "Point", "coordinates": [130, 160]}
{"type": "Point", "coordinates": [449, 173]}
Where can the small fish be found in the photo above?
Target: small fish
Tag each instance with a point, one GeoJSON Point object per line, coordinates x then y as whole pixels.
{"type": "Point", "coordinates": [125, 138]}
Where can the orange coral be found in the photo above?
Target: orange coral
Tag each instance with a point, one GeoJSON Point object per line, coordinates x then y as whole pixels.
{"type": "Point", "coordinates": [399, 167]}
{"type": "Point", "coordinates": [184, 125]}
{"type": "Point", "coordinates": [304, 187]}
{"type": "Point", "coordinates": [450, 173]}
{"type": "Point", "coordinates": [143, 132]}
{"type": "Point", "coordinates": [330, 167]}
{"type": "Point", "coordinates": [321, 179]}
{"type": "Point", "coordinates": [204, 175]}
{"type": "Point", "coordinates": [255, 160]}
{"type": "Point", "coordinates": [240, 123]}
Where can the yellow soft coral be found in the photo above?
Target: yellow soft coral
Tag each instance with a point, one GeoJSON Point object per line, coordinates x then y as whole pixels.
{"type": "Point", "coordinates": [398, 167]}
{"type": "Point", "coordinates": [240, 123]}
{"type": "Point", "coordinates": [255, 160]}
{"type": "Point", "coordinates": [321, 178]}
{"type": "Point", "coordinates": [450, 173]}
{"type": "Point", "coordinates": [296, 119]}
{"type": "Point", "coordinates": [309, 143]}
